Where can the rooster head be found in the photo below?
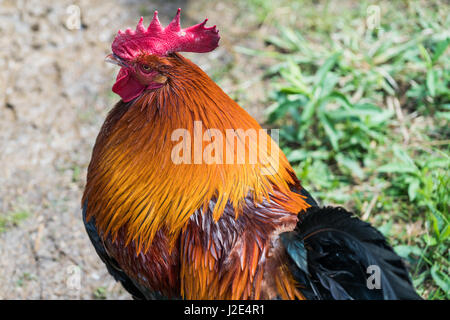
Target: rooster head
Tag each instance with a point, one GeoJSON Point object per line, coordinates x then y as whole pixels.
{"type": "Point", "coordinates": [142, 53]}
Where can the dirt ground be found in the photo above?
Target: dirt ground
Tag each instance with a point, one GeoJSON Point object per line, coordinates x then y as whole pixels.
{"type": "Point", "coordinates": [55, 91]}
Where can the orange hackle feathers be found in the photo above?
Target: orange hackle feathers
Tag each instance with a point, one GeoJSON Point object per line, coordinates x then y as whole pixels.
{"type": "Point", "coordinates": [135, 190]}
{"type": "Point", "coordinates": [133, 181]}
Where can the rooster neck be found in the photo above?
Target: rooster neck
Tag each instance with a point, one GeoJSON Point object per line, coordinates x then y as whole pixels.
{"type": "Point", "coordinates": [134, 183]}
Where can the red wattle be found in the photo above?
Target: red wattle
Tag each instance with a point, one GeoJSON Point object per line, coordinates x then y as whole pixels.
{"type": "Point", "coordinates": [126, 86]}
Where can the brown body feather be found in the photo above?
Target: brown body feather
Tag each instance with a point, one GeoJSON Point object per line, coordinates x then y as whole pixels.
{"type": "Point", "coordinates": [200, 231]}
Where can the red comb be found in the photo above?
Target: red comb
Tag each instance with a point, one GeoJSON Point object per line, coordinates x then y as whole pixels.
{"type": "Point", "coordinates": [162, 41]}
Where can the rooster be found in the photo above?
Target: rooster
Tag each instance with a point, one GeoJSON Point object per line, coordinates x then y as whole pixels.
{"type": "Point", "coordinates": [170, 225]}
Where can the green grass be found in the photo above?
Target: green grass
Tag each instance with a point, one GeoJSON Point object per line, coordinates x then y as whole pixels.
{"type": "Point", "coordinates": [100, 293]}
{"type": "Point", "coordinates": [364, 116]}
{"type": "Point", "coordinates": [24, 278]}
{"type": "Point", "coordinates": [12, 219]}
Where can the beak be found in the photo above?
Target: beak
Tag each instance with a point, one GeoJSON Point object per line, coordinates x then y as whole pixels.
{"type": "Point", "coordinates": [115, 59]}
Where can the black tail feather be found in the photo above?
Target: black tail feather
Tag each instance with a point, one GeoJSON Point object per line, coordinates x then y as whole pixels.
{"type": "Point", "coordinates": [332, 252]}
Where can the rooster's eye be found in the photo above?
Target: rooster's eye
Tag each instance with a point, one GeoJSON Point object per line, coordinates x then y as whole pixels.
{"type": "Point", "coordinates": [146, 68]}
